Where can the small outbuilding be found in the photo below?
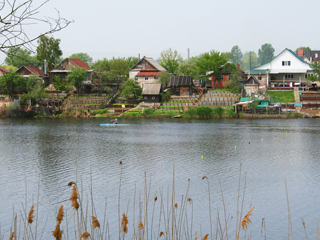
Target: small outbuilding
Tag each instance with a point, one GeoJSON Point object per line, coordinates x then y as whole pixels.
{"type": "Point", "coordinates": [181, 85]}
{"type": "Point", "coordinates": [251, 85]}
{"type": "Point", "coordinates": [151, 92]}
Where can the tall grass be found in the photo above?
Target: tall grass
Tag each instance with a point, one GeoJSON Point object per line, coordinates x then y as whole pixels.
{"type": "Point", "coordinates": [77, 218]}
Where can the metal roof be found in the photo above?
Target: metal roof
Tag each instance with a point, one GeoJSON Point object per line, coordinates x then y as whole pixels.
{"type": "Point", "coordinates": [148, 73]}
{"type": "Point", "coordinates": [152, 62]}
{"type": "Point", "coordinates": [178, 81]}
{"type": "Point", "coordinates": [151, 89]}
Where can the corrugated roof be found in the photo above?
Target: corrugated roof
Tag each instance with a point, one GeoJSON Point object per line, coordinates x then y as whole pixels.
{"type": "Point", "coordinates": [79, 63]}
{"type": "Point", "coordinates": [151, 89]}
{"type": "Point", "coordinates": [178, 81]}
{"type": "Point", "coordinates": [148, 74]}
{"type": "Point", "coordinates": [152, 62]}
{"type": "Point", "coordinates": [34, 70]}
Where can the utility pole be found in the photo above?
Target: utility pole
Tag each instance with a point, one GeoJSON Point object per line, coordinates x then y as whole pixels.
{"type": "Point", "coordinates": [188, 53]}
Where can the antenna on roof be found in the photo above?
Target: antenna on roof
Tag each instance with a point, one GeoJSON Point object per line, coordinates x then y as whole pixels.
{"type": "Point", "coordinates": [139, 56]}
{"type": "Point", "coordinates": [188, 53]}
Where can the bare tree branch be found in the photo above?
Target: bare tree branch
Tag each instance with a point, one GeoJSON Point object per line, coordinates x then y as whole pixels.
{"type": "Point", "coordinates": [15, 18]}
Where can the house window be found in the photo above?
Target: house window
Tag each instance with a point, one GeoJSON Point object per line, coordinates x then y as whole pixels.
{"type": "Point", "coordinates": [220, 77]}
{"type": "Point", "coordinates": [288, 76]}
{"type": "Point", "coordinates": [145, 97]}
{"type": "Point", "coordinates": [146, 78]}
{"type": "Point", "coordinates": [153, 98]}
{"type": "Point", "coordinates": [259, 77]}
{"type": "Point", "coordinates": [286, 63]}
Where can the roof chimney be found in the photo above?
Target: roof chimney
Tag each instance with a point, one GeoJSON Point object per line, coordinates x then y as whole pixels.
{"type": "Point", "coordinates": [300, 52]}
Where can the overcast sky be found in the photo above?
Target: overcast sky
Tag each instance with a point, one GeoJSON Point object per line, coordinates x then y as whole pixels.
{"type": "Point", "coordinates": [123, 28]}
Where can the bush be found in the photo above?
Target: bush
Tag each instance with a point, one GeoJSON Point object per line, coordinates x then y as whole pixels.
{"type": "Point", "coordinates": [230, 111]}
{"type": "Point", "coordinates": [201, 111]}
{"type": "Point", "coordinates": [166, 96]}
{"type": "Point", "coordinates": [218, 111]}
{"type": "Point", "coordinates": [148, 111]}
{"type": "Point", "coordinates": [102, 111]}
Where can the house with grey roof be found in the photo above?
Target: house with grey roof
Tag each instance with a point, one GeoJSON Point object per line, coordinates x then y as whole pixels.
{"type": "Point", "coordinates": [309, 56]}
{"type": "Point", "coordinates": [181, 85]}
{"type": "Point", "coordinates": [151, 92]}
{"type": "Point", "coordinates": [285, 70]}
{"type": "Point", "coordinates": [147, 70]}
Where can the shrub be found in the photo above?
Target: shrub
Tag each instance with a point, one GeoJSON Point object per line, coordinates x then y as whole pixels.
{"type": "Point", "coordinates": [203, 111]}
{"type": "Point", "coordinates": [166, 96]}
{"type": "Point", "coordinates": [218, 111]}
{"type": "Point", "coordinates": [148, 111]}
{"type": "Point", "coordinates": [102, 111]}
{"type": "Point", "coordinates": [230, 111]}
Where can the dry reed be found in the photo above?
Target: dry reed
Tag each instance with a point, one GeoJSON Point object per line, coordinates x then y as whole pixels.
{"type": "Point", "coordinates": [195, 235]}
{"type": "Point", "coordinates": [205, 237]}
{"type": "Point", "coordinates": [140, 226]}
{"type": "Point", "coordinates": [74, 198]}
{"type": "Point", "coordinates": [85, 235]}
{"type": "Point", "coordinates": [95, 222]}
{"type": "Point", "coordinates": [246, 220]}
{"type": "Point", "coordinates": [57, 233]}
{"type": "Point", "coordinates": [60, 214]}
{"type": "Point", "coordinates": [31, 216]}
{"type": "Point", "coordinates": [124, 223]}
{"type": "Point", "coordinates": [13, 235]}
{"type": "Point", "coordinates": [161, 234]}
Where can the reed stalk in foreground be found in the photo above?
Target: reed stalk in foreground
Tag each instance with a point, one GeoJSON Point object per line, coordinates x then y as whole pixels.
{"type": "Point", "coordinates": [246, 220]}
{"type": "Point", "coordinates": [57, 233]}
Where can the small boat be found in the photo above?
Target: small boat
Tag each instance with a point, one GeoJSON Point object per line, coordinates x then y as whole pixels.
{"type": "Point", "coordinates": [113, 125]}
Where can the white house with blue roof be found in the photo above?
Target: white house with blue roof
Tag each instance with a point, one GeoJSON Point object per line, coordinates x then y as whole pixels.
{"type": "Point", "coordinates": [285, 70]}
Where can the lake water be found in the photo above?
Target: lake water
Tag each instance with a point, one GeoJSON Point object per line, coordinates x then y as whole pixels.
{"type": "Point", "coordinates": [40, 156]}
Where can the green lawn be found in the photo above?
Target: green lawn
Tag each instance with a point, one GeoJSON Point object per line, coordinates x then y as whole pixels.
{"type": "Point", "coordinates": [281, 96]}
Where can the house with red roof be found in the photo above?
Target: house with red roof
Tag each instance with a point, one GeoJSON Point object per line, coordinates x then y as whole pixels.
{"type": "Point", "coordinates": [27, 71]}
{"type": "Point", "coordinates": [3, 71]}
{"type": "Point", "coordinates": [66, 66]}
{"type": "Point", "coordinates": [147, 70]}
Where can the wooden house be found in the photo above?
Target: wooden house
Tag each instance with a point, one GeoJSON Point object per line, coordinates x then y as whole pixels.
{"type": "Point", "coordinates": [181, 85]}
{"type": "Point", "coordinates": [66, 67]}
{"type": "Point", "coordinates": [27, 71]}
{"type": "Point", "coordinates": [147, 70]}
{"type": "Point", "coordinates": [151, 92]}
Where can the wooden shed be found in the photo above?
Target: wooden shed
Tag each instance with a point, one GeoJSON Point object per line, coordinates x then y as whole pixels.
{"type": "Point", "coordinates": [181, 85]}
{"type": "Point", "coordinates": [151, 92]}
{"type": "Point", "coordinates": [251, 85]}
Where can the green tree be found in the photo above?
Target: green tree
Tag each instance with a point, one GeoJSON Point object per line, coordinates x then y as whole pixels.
{"type": "Point", "coordinates": [132, 61]}
{"type": "Point", "coordinates": [35, 89]}
{"type": "Point", "coordinates": [316, 72]}
{"type": "Point", "coordinates": [84, 57]}
{"type": "Point", "coordinates": [19, 57]}
{"type": "Point", "coordinates": [234, 83]}
{"type": "Point", "coordinates": [265, 53]}
{"type": "Point", "coordinates": [10, 68]}
{"type": "Point", "coordinates": [170, 60]}
{"type": "Point", "coordinates": [76, 77]}
{"type": "Point", "coordinates": [164, 79]}
{"type": "Point", "coordinates": [250, 60]}
{"type": "Point", "coordinates": [188, 67]}
{"type": "Point", "coordinates": [236, 55]}
{"type": "Point", "coordinates": [49, 50]}
{"type": "Point", "coordinates": [11, 83]}
{"type": "Point", "coordinates": [214, 61]}
{"type": "Point", "coordinates": [131, 90]}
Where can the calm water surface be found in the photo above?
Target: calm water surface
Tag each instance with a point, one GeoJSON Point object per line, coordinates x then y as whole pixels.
{"type": "Point", "coordinates": [43, 155]}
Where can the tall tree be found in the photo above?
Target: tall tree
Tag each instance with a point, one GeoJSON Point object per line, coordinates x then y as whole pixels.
{"type": "Point", "coordinates": [11, 83]}
{"type": "Point", "coordinates": [188, 67]}
{"type": "Point", "coordinates": [164, 79]}
{"type": "Point", "coordinates": [170, 60]}
{"type": "Point", "coordinates": [48, 50]}
{"type": "Point", "coordinates": [17, 15]}
{"type": "Point", "coordinates": [84, 57]}
{"type": "Point", "coordinates": [131, 89]}
{"type": "Point", "coordinates": [76, 77]}
{"type": "Point", "coordinates": [265, 53]}
{"type": "Point", "coordinates": [19, 57]}
{"type": "Point", "coordinates": [212, 61]}
{"type": "Point", "coordinates": [316, 72]}
{"type": "Point", "coordinates": [250, 60]}
{"type": "Point", "coordinates": [236, 55]}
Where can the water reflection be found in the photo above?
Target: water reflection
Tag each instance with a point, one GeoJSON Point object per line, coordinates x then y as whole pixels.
{"type": "Point", "coordinates": [48, 153]}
